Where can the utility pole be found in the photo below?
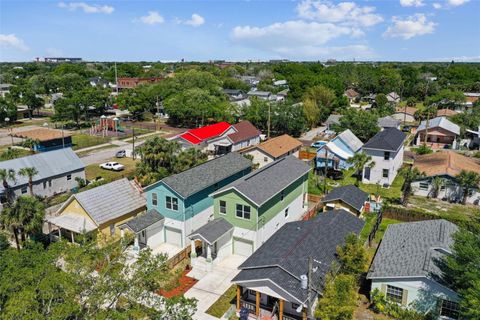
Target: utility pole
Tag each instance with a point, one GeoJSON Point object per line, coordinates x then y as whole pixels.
{"type": "Point", "coordinates": [309, 286]}
{"type": "Point", "coordinates": [133, 142]}
{"type": "Point", "coordinates": [116, 78]}
{"type": "Point", "coordinates": [268, 122]}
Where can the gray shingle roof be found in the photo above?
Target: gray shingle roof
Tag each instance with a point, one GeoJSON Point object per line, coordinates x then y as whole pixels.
{"type": "Point", "coordinates": [262, 184]}
{"type": "Point", "coordinates": [284, 257]}
{"type": "Point", "coordinates": [390, 139]}
{"type": "Point", "coordinates": [388, 122]}
{"type": "Point", "coordinates": [350, 194]}
{"type": "Point", "coordinates": [441, 122]}
{"type": "Point", "coordinates": [333, 119]}
{"type": "Point", "coordinates": [111, 200]}
{"type": "Point", "coordinates": [213, 230]}
{"type": "Point", "coordinates": [191, 181]}
{"type": "Point", "coordinates": [350, 140]}
{"type": "Point", "coordinates": [48, 164]}
{"type": "Point", "coordinates": [144, 221]}
{"type": "Point", "coordinates": [412, 249]}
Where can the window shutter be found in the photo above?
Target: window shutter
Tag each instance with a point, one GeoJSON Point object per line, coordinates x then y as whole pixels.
{"type": "Point", "coordinates": [404, 297]}
{"type": "Point", "coordinates": [383, 288]}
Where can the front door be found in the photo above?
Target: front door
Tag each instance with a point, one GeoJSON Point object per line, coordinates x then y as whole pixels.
{"type": "Point", "coordinates": [366, 175]}
{"type": "Point", "coordinates": [142, 237]}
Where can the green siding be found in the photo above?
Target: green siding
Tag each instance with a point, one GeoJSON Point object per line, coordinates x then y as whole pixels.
{"type": "Point", "coordinates": [232, 198]}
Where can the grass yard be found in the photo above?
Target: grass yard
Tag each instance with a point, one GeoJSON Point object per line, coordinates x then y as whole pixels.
{"type": "Point", "coordinates": [9, 153]}
{"type": "Point", "coordinates": [219, 307]}
{"type": "Point", "coordinates": [93, 171]}
{"type": "Point", "coordinates": [81, 140]}
{"type": "Point", "coordinates": [370, 219]}
{"type": "Point", "coordinates": [450, 211]}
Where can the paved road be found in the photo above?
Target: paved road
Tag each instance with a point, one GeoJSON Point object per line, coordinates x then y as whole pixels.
{"type": "Point", "coordinates": [103, 155]}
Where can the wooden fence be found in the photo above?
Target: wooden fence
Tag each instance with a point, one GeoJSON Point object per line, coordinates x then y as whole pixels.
{"type": "Point", "coordinates": [306, 155]}
{"type": "Point", "coordinates": [372, 234]}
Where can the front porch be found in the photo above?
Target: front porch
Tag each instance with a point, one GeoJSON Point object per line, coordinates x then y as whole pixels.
{"type": "Point", "coordinates": [69, 226]}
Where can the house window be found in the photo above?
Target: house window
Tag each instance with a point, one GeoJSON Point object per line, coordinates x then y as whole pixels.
{"type": "Point", "coordinates": [44, 184]}
{"type": "Point", "coordinates": [223, 207]}
{"type": "Point", "coordinates": [154, 199]}
{"type": "Point", "coordinates": [386, 155]}
{"type": "Point", "coordinates": [423, 185]}
{"type": "Point", "coordinates": [385, 173]}
{"type": "Point", "coordinates": [243, 211]}
{"type": "Point", "coordinates": [265, 159]}
{"type": "Point", "coordinates": [112, 229]}
{"type": "Point", "coordinates": [394, 294]}
{"type": "Point", "coordinates": [172, 203]}
{"type": "Point", "coordinates": [69, 177]}
{"type": "Point", "coordinates": [286, 213]}
{"type": "Point", "coordinates": [449, 309]}
{"type": "Point", "coordinates": [24, 190]}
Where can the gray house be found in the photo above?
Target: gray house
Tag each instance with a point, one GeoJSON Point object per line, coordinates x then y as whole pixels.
{"type": "Point", "coordinates": [57, 171]}
{"type": "Point", "coordinates": [275, 276]}
{"type": "Point", "coordinates": [406, 267]}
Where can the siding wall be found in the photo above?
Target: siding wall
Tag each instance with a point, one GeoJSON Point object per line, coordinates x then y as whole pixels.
{"type": "Point", "coordinates": [393, 165]}
{"type": "Point", "coordinates": [452, 189]}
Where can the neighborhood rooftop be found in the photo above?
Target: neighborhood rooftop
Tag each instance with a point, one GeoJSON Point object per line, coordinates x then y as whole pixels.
{"type": "Point", "coordinates": [144, 221]}
{"type": "Point", "coordinates": [388, 122]}
{"type": "Point", "coordinates": [350, 140]}
{"type": "Point", "coordinates": [48, 164]}
{"type": "Point", "coordinates": [389, 139]}
{"type": "Point", "coordinates": [279, 146]}
{"type": "Point", "coordinates": [43, 134]}
{"type": "Point", "coordinates": [283, 258]}
{"type": "Point", "coordinates": [110, 201]}
{"type": "Point", "coordinates": [440, 122]}
{"type": "Point", "coordinates": [198, 135]}
{"type": "Point", "coordinates": [447, 163]}
{"type": "Point", "coordinates": [213, 230]}
{"type": "Point", "coordinates": [259, 186]}
{"type": "Point", "coordinates": [191, 181]}
{"type": "Point", "coordinates": [413, 249]}
{"type": "Point", "coordinates": [350, 194]}
{"type": "Point", "coordinates": [245, 130]}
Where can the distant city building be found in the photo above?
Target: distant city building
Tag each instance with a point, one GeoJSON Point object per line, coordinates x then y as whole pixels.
{"type": "Point", "coordinates": [61, 59]}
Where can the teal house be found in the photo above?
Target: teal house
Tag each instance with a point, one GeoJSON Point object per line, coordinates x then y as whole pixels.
{"type": "Point", "coordinates": [183, 200]}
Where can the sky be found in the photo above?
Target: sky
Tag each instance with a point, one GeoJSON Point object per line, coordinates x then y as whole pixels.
{"type": "Point", "coordinates": [241, 30]}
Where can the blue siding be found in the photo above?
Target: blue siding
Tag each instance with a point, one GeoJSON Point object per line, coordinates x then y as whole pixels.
{"type": "Point", "coordinates": [193, 205]}
{"type": "Point", "coordinates": [342, 164]}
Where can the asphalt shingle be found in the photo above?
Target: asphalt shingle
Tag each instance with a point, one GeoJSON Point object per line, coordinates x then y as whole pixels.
{"type": "Point", "coordinates": [213, 230]}
{"type": "Point", "coordinates": [350, 194]}
{"type": "Point", "coordinates": [390, 139]}
{"type": "Point", "coordinates": [145, 220]}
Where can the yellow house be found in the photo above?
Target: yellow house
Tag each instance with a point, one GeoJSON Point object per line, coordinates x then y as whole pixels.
{"type": "Point", "coordinates": [349, 198]}
{"type": "Point", "coordinates": [101, 210]}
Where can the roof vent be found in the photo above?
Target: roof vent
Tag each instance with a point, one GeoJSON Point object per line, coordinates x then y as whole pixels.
{"type": "Point", "coordinates": [304, 281]}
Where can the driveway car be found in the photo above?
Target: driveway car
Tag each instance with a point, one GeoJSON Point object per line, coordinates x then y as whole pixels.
{"type": "Point", "coordinates": [114, 166]}
{"type": "Point", "coordinates": [318, 144]}
{"type": "Point", "coordinates": [121, 154]}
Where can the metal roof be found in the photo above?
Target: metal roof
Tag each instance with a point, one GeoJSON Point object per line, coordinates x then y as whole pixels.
{"type": "Point", "coordinates": [350, 140]}
{"type": "Point", "coordinates": [388, 122]}
{"type": "Point", "coordinates": [48, 164]}
{"type": "Point", "coordinates": [441, 122]}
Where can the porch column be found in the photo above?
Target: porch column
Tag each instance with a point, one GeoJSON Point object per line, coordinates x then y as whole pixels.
{"type": "Point", "coordinates": [209, 253]}
{"type": "Point", "coordinates": [257, 303]}
{"type": "Point", "coordinates": [280, 309]}
{"type": "Point", "coordinates": [73, 238]}
{"type": "Point", "coordinates": [239, 293]}
{"type": "Point", "coordinates": [304, 315]}
{"type": "Point", "coordinates": [136, 246]}
{"type": "Point", "coordinates": [193, 253]}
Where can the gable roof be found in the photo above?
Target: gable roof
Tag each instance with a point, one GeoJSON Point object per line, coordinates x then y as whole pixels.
{"type": "Point", "coordinates": [350, 140]}
{"type": "Point", "coordinates": [245, 131]}
{"type": "Point", "coordinates": [441, 122]}
{"type": "Point", "coordinates": [144, 221]}
{"type": "Point", "coordinates": [393, 96]}
{"type": "Point", "coordinates": [408, 110]}
{"type": "Point", "coordinates": [351, 93]}
{"type": "Point", "coordinates": [261, 185]}
{"type": "Point", "coordinates": [110, 201]}
{"type": "Point", "coordinates": [283, 258]}
{"type": "Point", "coordinates": [212, 230]}
{"type": "Point", "coordinates": [198, 135]}
{"type": "Point", "coordinates": [389, 139]}
{"type": "Point", "coordinates": [333, 119]}
{"type": "Point", "coordinates": [279, 146]}
{"type": "Point", "coordinates": [445, 163]}
{"type": "Point", "coordinates": [388, 122]}
{"type": "Point", "coordinates": [350, 194]}
{"type": "Point", "coordinates": [412, 249]}
{"type": "Point", "coordinates": [191, 181]}
{"type": "Point", "coordinates": [48, 164]}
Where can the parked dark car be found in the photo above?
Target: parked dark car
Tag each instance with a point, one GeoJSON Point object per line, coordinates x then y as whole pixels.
{"type": "Point", "coordinates": [121, 154]}
{"type": "Point", "coordinates": [331, 173]}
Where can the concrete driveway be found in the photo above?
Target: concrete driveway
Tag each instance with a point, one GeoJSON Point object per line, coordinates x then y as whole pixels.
{"type": "Point", "coordinates": [208, 289]}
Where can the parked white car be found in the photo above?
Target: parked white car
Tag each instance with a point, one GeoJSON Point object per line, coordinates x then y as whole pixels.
{"type": "Point", "coordinates": [114, 166]}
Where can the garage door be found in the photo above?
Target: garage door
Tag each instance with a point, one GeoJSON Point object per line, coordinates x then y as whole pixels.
{"type": "Point", "coordinates": [173, 236]}
{"type": "Point", "coordinates": [242, 247]}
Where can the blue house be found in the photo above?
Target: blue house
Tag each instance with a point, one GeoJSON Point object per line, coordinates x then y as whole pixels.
{"type": "Point", "coordinates": [183, 199]}
{"type": "Point", "coordinates": [338, 151]}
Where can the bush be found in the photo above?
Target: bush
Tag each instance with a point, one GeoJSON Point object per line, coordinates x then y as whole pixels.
{"type": "Point", "coordinates": [423, 149]}
{"type": "Point", "coordinates": [4, 244]}
{"type": "Point", "coordinates": [381, 305]}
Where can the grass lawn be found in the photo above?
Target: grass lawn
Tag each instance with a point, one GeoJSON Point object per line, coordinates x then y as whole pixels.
{"type": "Point", "coordinates": [369, 222]}
{"type": "Point", "coordinates": [93, 171]}
{"type": "Point", "coordinates": [13, 153]}
{"type": "Point", "coordinates": [449, 211]}
{"type": "Point", "coordinates": [82, 140]}
{"type": "Point", "coordinates": [219, 307]}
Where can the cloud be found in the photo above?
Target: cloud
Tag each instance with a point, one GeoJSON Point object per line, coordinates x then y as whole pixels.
{"type": "Point", "coordinates": [457, 3]}
{"type": "Point", "coordinates": [196, 20]}
{"type": "Point", "coordinates": [13, 42]}
{"type": "Point", "coordinates": [412, 3]}
{"type": "Point", "coordinates": [152, 18]}
{"type": "Point", "coordinates": [412, 26]}
{"type": "Point", "coordinates": [348, 13]}
{"type": "Point", "coordinates": [297, 38]}
{"type": "Point", "coordinates": [87, 8]}
{"type": "Point", "coordinates": [437, 5]}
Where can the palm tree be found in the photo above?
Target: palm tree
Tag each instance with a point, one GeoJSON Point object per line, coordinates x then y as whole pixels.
{"type": "Point", "coordinates": [5, 176]}
{"type": "Point", "coordinates": [25, 215]}
{"type": "Point", "coordinates": [409, 174]}
{"type": "Point", "coordinates": [359, 161]}
{"type": "Point", "coordinates": [30, 144]}
{"type": "Point", "coordinates": [29, 172]}
{"type": "Point", "coordinates": [467, 180]}
{"type": "Point", "coordinates": [437, 183]}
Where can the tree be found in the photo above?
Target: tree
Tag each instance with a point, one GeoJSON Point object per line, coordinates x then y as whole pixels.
{"type": "Point", "coordinates": [436, 183]}
{"type": "Point", "coordinates": [362, 123]}
{"type": "Point", "coordinates": [339, 298]}
{"type": "Point", "coordinates": [461, 271]}
{"type": "Point", "coordinates": [30, 144]}
{"type": "Point", "coordinates": [29, 172]}
{"type": "Point", "coordinates": [359, 161]}
{"type": "Point", "coordinates": [409, 175]}
{"type": "Point", "coordinates": [8, 175]}
{"type": "Point", "coordinates": [26, 215]}
{"type": "Point", "coordinates": [381, 100]}
{"type": "Point", "coordinates": [187, 159]}
{"type": "Point", "coordinates": [468, 180]}
{"type": "Point", "coordinates": [352, 256]}
{"type": "Point", "coordinates": [319, 100]}
{"type": "Point", "coordinates": [4, 244]}
{"type": "Point", "coordinates": [7, 110]}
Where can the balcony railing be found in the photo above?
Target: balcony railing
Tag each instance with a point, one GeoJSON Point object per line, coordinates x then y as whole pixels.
{"type": "Point", "coordinates": [251, 306]}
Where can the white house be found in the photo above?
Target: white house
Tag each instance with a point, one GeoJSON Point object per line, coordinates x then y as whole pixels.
{"type": "Point", "coordinates": [386, 150]}
{"type": "Point", "coordinates": [406, 267]}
